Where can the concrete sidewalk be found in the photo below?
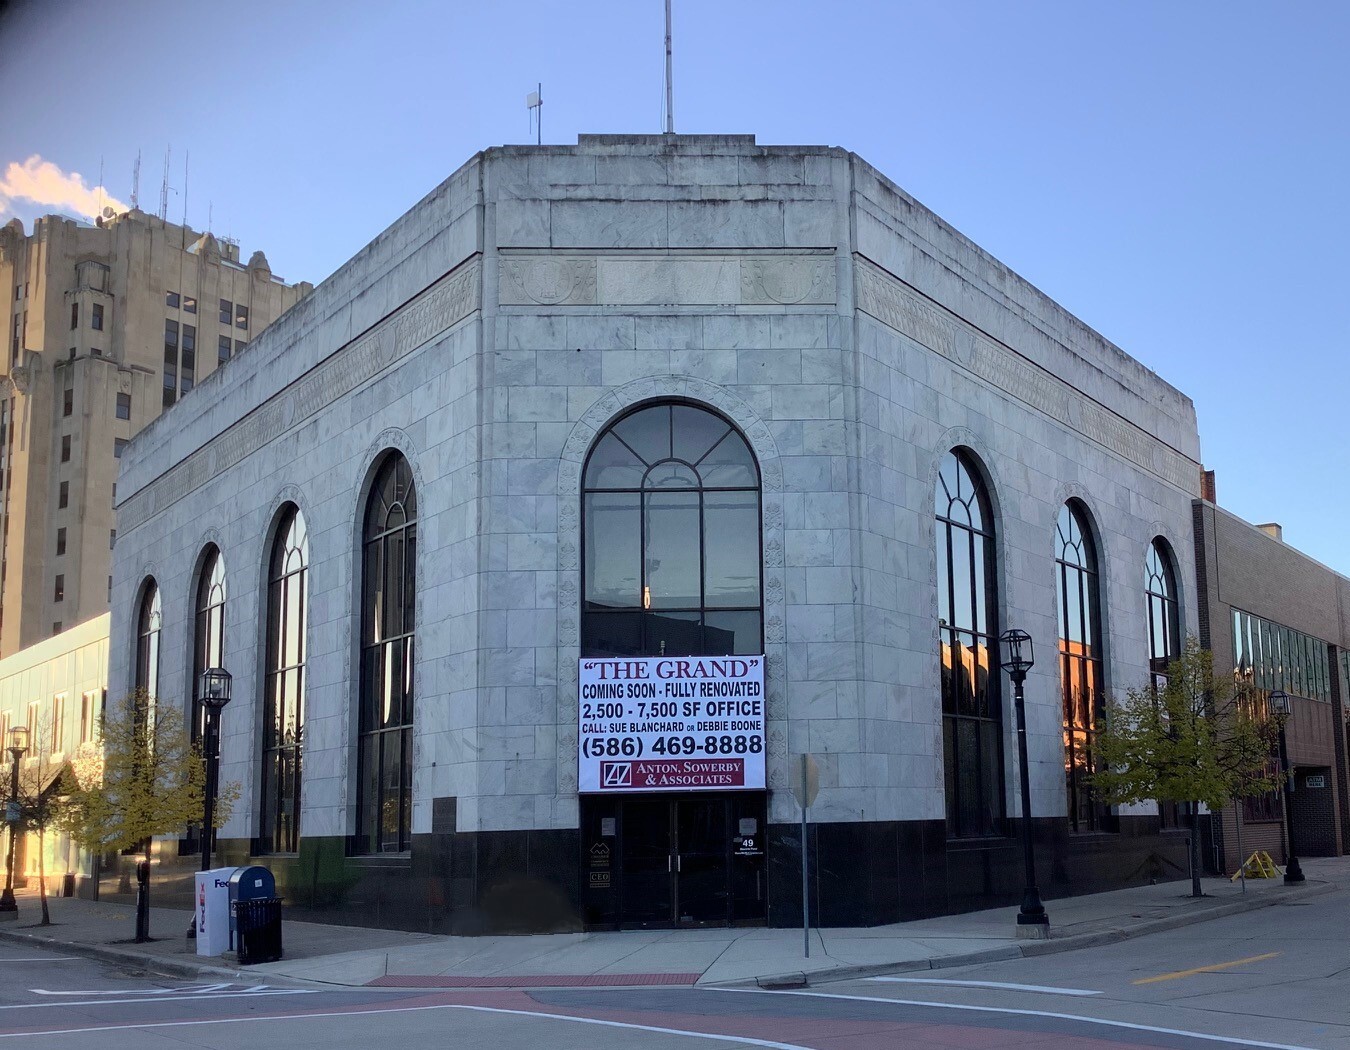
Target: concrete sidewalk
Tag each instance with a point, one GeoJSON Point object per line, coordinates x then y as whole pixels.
{"type": "Point", "coordinates": [347, 955]}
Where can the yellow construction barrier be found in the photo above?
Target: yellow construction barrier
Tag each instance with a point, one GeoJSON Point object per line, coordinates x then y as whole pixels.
{"type": "Point", "coordinates": [1257, 866]}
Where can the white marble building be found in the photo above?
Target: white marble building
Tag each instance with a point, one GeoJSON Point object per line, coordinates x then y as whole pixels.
{"type": "Point", "coordinates": [490, 337]}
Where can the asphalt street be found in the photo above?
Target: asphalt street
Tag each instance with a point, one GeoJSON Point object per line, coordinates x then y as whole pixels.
{"type": "Point", "coordinates": [1278, 977]}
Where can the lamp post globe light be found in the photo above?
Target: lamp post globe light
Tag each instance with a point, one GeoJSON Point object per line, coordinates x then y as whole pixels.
{"type": "Point", "coordinates": [18, 744]}
{"type": "Point", "coordinates": [213, 695]}
{"type": "Point", "coordinates": [1282, 708]}
{"type": "Point", "coordinates": [1018, 658]}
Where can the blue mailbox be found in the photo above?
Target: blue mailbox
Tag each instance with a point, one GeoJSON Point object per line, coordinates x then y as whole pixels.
{"type": "Point", "coordinates": [249, 884]}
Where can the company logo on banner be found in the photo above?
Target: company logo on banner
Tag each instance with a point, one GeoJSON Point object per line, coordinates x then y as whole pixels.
{"type": "Point", "coordinates": [660, 723]}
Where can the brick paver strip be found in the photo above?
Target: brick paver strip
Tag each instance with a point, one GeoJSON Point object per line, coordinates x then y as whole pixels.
{"type": "Point", "coordinates": [596, 980]}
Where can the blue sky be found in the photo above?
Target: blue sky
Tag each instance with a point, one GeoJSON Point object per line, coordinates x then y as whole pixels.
{"type": "Point", "coordinates": [1173, 173]}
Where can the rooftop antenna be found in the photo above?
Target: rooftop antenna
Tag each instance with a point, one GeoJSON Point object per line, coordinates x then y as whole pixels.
{"type": "Point", "coordinates": [164, 188]}
{"type": "Point", "coordinates": [210, 216]}
{"type": "Point", "coordinates": [670, 86]}
{"type": "Point", "coordinates": [100, 184]}
{"type": "Point", "coordinates": [136, 182]}
{"type": "Point", "coordinates": [534, 102]}
{"type": "Point", "coordinates": [187, 158]}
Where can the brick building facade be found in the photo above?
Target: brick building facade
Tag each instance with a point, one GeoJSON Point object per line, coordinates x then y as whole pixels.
{"type": "Point", "coordinates": [1276, 619]}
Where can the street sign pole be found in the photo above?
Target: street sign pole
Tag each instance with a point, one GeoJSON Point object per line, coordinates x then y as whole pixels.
{"type": "Point", "coordinates": [805, 784]}
{"type": "Point", "coordinates": [806, 897]}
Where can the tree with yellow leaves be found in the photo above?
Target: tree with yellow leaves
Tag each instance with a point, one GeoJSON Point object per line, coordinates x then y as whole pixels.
{"type": "Point", "coordinates": [1198, 739]}
{"type": "Point", "coordinates": [148, 779]}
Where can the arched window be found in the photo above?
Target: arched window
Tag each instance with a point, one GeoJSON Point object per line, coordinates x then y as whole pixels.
{"type": "Point", "coordinates": [148, 619]}
{"type": "Point", "coordinates": [208, 647]}
{"type": "Point", "coordinates": [1164, 637]}
{"type": "Point", "coordinates": [388, 601]}
{"type": "Point", "coordinates": [972, 718]}
{"type": "Point", "coordinates": [671, 524]}
{"type": "Point", "coordinates": [284, 687]}
{"type": "Point", "coordinates": [1164, 625]}
{"type": "Point", "coordinates": [1080, 661]}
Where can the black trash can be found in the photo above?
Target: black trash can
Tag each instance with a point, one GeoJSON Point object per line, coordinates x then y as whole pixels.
{"type": "Point", "coordinates": [250, 883]}
{"type": "Point", "coordinates": [257, 930]}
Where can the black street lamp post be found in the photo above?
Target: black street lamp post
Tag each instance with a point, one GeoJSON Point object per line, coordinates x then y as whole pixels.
{"type": "Point", "coordinates": [18, 744]}
{"type": "Point", "coordinates": [1032, 920]}
{"type": "Point", "coordinates": [215, 694]}
{"type": "Point", "coordinates": [1282, 708]}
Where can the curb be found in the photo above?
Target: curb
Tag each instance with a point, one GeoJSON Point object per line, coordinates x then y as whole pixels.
{"type": "Point", "coordinates": [1026, 949]}
{"type": "Point", "coordinates": [170, 966]}
{"type": "Point", "coordinates": [165, 966]}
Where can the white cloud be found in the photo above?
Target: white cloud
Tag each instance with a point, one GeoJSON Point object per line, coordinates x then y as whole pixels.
{"type": "Point", "coordinates": [43, 183]}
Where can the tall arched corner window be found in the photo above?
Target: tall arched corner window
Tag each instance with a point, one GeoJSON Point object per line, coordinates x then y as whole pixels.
{"type": "Point", "coordinates": [284, 684]}
{"type": "Point", "coordinates": [1164, 638]}
{"type": "Point", "coordinates": [1164, 623]}
{"type": "Point", "coordinates": [388, 602]}
{"type": "Point", "coordinates": [972, 709]}
{"type": "Point", "coordinates": [149, 616]}
{"type": "Point", "coordinates": [671, 560]}
{"type": "Point", "coordinates": [208, 638]}
{"type": "Point", "coordinates": [1080, 662]}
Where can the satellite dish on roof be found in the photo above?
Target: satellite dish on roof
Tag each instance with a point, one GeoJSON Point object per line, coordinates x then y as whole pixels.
{"type": "Point", "coordinates": [108, 211]}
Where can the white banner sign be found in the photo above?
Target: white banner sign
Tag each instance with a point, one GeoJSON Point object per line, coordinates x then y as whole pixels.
{"type": "Point", "coordinates": [671, 723]}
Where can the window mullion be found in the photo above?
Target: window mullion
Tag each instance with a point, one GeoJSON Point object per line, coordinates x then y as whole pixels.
{"type": "Point", "coordinates": [702, 556]}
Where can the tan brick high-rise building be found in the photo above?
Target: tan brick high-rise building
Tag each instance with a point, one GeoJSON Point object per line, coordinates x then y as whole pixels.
{"type": "Point", "coordinates": [104, 327]}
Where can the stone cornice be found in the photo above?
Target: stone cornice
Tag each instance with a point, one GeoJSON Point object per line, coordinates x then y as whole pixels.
{"type": "Point", "coordinates": [441, 306]}
{"type": "Point", "coordinates": [899, 307]}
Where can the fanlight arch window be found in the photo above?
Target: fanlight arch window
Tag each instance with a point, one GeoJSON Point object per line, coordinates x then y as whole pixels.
{"type": "Point", "coordinates": [1164, 637]}
{"type": "Point", "coordinates": [388, 606]}
{"type": "Point", "coordinates": [672, 554]}
{"type": "Point", "coordinates": [284, 685]}
{"type": "Point", "coordinates": [208, 647]}
{"type": "Point", "coordinates": [1164, 622]}
{"type": "Point", "coordinates": [1080, 662]}
{"type": "Point", "coordinates": [972, 718]}
{"type": "Point", "coordinates": [149, 617]}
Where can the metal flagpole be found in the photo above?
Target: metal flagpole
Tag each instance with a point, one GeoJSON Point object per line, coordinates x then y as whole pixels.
{"type": "Point", "coordinates": [670, 89]}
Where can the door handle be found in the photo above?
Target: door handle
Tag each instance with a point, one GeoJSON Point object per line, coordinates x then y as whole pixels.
{"type": "Point", "coordinates": [673, 863]}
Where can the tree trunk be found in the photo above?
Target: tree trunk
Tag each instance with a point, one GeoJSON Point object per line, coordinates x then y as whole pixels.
{"type": "Point", "coordinates": [1195, 850]}
{"type": "Point", "coordinates": [42, 876]}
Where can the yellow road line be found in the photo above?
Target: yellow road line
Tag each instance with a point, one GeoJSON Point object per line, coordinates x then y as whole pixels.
{"type": "Point", "coordinates": [1206, 969]}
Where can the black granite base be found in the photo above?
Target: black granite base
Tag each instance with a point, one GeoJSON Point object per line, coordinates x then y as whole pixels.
{"type": "Point", "coordinates": [863, 874]}
{"type": "Point", "coordinates": [895, 871]}
{"type": "Point", "coordinates": [490, 882]}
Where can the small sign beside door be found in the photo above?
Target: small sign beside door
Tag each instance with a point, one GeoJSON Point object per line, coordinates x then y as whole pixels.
{"type": "Point", "coordinates": [1318, 781]}
{"type": "Point", "coordinates": [599, 856]}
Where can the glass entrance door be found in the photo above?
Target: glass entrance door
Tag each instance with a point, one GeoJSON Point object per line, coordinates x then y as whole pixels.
{"type": "Point", "coordinates": [647, 845]}
{"type": "Point", "coordinates": [702, 869]}
{"type": "Point", "coordinates": [662, 861]}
